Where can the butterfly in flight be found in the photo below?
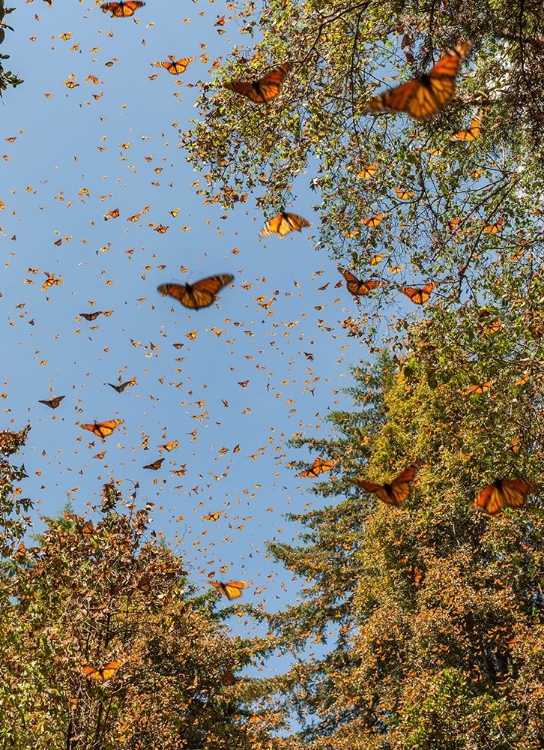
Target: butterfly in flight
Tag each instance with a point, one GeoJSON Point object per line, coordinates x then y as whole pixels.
{"type": "Point", "coordinates": [122, 9]}
{"type": "Point", "coordinates": [213, 516]}
{"type": "Point", "coordinates": [470, 134]}
{"type": "Point", "coordinates": [427, 94]}
{"type": "Point", "coordinates": [156, 465]}
{"type": "Point", "coordinates": [357, 287]}
{"type": "Point", "coordinates": [395, 492]}
{"type": "Point", "coordinates": [503, 493]}
{"type": "Point", "coordinates": [177, 67]}
{"type": "Point", "coordinates": [52, 402]}
{"type": "Point", "coordinates": [231, 589]}
{"type": "Point", "coordinates": [104, 673]}
{"type": "Point", "coordinates": [93, 315]}
{"type": "Point", "coordinates": [284, 223]}
{"type": "Point", "coordinates": [264, 89]}
{"type": "Point", "coordinates": [318, 467]}
{"type": "Point", "coordinates": [121, 387]}
{"type": "Point", "coordinates": [418, 295]}
{"type": "Point", "coordinates": [102, 429]}
{"type": "Point", "coordinates": [198, 295]}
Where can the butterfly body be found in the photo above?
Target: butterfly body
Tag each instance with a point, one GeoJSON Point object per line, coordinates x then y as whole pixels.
{"type": "Point", "coordinates": [427, 94]}
{"type": "Point", "coordinates": [177, 67]}
{"type": "Point", "coordinates": [52, 402]}
{"type": "Point", "coordinates": [418, 295]}
{"type": "Point", "coordinates": [318, 467]}
{"type": "Point", "coordinates": [155, 466]}
{"type": "Point", "coordinates": [393, 493]}
{"type": "Point", "coordinates": [122, 9]}
{"type": "Point", "coordinates": [198, 295]}
{"type": "Point", "coordinates": [102, 429]}
{"type": "Point", "coordinates": [284, 223]}
{"type": "Point", "coordinates": [104, 673]}
{"type": "Point", "coordinates": [356, 286]}
{"type": "Point", "coordinates": [264, 89]}
{"type": "Point", "coordinates": [230, 589]}
{"type": "Point", "coordinates": [503, 493]}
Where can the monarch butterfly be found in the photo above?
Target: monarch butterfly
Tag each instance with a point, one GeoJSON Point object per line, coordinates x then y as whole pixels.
{"type": "Point", "coordinates": [102, 429]}
{"type": "Point", "coordinates": [367, 173]}
{"type": "Point", "coordinates": [472, 132]}
{"type": "Point", "coordinates": [358, 287]}
{"type": "Point", "coordinates": [373, 221]}
{"type": "Point", "coordinates": [113, 214]}
{"type": "Point", "coordinates": [212, 516]}
{"type": "Point", "coordinates": [156, 465]}
{"type": "Point", "coordinates": [122, 9]}
{"type": "Point", "coordinates": [121, 387]}
{"type": "Point", "coordinates": [418, 295]}
{"type": "Point", "coordinates": [318, 467]}
{"type": "Point", "coordinates": [284, 223]}
{"type": "Point", "coordinates": [200, 294]}
{"type": "Point", "coordinates": [427, 94]}
{"type": "Point", "coordinates": [104, 673]}
{"type": "Point", "coordinates": [91, 316]}
{"type": "Point", "coordinates": [477, 388]}
{"type": "Point", "coordinates": [51, 281]}
{"type": "Point", "coordinates": [177, 67]}
{"type": "Point", "coordinates": [263, 89]}
{"type": "Point", "coordinates": [394, 493]}
{"type": "Point", "coordinates": [503, 493]}
{"type": "Point", "coordinates": [403, 195]}
{"type": "Point", "coordinates": [494, 228]}
{"type": "Point", "coordinates": [229, 678]}
{"type": "Point", "coordinates": [170, 446]}
{"type": "Point", "coordinates": [231, 589]}
{"type": "Point", "coordinates": [53, 402]}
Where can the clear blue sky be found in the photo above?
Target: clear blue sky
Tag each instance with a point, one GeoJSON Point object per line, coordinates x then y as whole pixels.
{"type": "Point", "coordinates": [57, 183]}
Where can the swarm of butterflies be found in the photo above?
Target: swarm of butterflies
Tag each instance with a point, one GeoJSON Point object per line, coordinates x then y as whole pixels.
{"type": "Point", "coordinates": [420, 98]}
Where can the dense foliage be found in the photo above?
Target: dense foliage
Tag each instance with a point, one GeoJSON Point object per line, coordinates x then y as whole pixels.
{"type": "Point", "coordinates": [102, 643]}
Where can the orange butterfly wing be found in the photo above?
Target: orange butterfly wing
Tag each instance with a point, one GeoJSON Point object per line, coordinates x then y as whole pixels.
{"type": "Point", "coordinates": [198, 295]}
{"type": "Point", "coordinates": [424, 96]}
{"type": "Point", "coordinates": [103, 674]}
{"type": "Point", "coordinates": [264, 89]}
{"type": "Point", "coordinates": [470, 134]}
{"type": "Point", "coordinates": [356, 286]}
{"type": "Point", "coordinates": [52, 402]}
{"type": "Point", "coordinates": [178, 67]}
{"type": "Point", "coordinates": [394, 493]}
{"type": "Point", "coordinates": [122, 9]}
{"type": "Point", "coordinates": [231, 589]}
{"type": "Point", "coordinates": [102, 429]}
{"type": "Point", "coordinates": [418, 295]}
{"type": "Point", "coordinates": [318, 467]}
{"type": "Point", "coordinates": [284, 223]}
{"type": "Point", "coordinates": [156, 465]}
{"type": "Point", "coordinates": [503, 493]}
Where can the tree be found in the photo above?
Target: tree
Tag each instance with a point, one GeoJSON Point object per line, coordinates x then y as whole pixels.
{"type": "Point", "coordinates": [102, 643]}
{"type": "Point", "coordinates": [427, 618]}
{"type": "Point", "coordinates": [398, 198]}
{"type": "Point", "coordinates": [7, 78]}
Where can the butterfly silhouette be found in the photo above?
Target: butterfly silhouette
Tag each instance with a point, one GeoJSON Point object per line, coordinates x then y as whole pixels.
{"type": "Point", "coordinates": [52, 402]}
{"type": "Point", "coordinates": [262, 90]}
{"type": "Point", "coordinates": [198, 295]}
